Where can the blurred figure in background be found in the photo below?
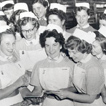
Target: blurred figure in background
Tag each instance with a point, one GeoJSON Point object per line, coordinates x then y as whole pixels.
{"type": "Point", "coordinates": [57, 15]}
{"type": "Point", "coordinates": [82, 16]}
{"type": "Point", "coordinates": [40, 8]}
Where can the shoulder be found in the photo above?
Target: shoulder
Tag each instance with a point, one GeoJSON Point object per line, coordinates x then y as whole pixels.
{"type": "Point", "coordinates": [71, 30]}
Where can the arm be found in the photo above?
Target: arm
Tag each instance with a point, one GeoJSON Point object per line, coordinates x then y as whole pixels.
{"type": "Point", "coordinates": [37, 91]}
{"type": "Point", "coordinates": [22, 81]}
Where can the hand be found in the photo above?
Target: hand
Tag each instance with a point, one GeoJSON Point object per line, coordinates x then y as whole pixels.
{"type": "Point", "coordinates": [23, 81]}
{"type": "Point", "coordinates": [62, 93]}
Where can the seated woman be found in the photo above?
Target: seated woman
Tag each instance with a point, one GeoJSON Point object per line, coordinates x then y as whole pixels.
{"type": "Point", "coordinates": [52, 73]}
{"type": "Point", "coordinates": [88, 75]}
{"type": "Point", "coordinates": [28, 47]}
{"type": "Point", "coordinates": [11, 69]}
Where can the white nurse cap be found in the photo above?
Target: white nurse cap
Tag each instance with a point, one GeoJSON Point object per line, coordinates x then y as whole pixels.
{"type": "Point", "coordinates": [102, 30]}
{"type": "Point", "coordinates": [2, 13]}
{"type": "Point", "coordinates": [27, 14]}
{"type": "Point", "coordinates": [58, 6]}
{"type": "Point", "coordinates": [7, 2]}
{"type": "Point", "coordinates": [21, 6]}
{"type": "Point", "coordinates": [4, 28]}
{"type": "Point", "coordinates": [83, 4]}
{"type": "Point", "coordinates": [87, 36]}
{"type": "Point", "coordinates": [54, 26]}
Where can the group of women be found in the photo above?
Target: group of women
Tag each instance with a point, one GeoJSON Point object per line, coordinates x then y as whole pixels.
{"type": "Point", "coordinates": [42, 63]}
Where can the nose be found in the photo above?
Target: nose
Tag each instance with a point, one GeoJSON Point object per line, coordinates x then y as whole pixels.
{"type": "Point", "coordinates": [51, 49]}
{"type": "Point", "coordinates": [11, 47]}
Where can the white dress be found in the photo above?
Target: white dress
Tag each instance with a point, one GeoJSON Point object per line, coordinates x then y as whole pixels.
{"type": "Point", "coordinates": [9, 73]}
{"type": "Point", "coordinates": [53, 75]}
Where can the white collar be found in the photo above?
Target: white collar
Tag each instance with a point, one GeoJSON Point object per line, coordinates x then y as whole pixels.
{"type": "Point", "coordinates": [103, 57]}
{"type": "Point", "coordinates": [32, 42]}
{"type": "Point", "coordinates": [3, 57]}
{"type": "Point", "coordinates": [86, 26]}
{"type": "Point", "coordinates": [56, 59]}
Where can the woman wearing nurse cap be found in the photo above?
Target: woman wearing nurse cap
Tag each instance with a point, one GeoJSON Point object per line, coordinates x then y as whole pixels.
{"type": "Point", "coordinates": [57, 15]}
{"type": "Point", "coordinates": [11, 70]}
{"type": "Point", "coordinates": [82, 14]}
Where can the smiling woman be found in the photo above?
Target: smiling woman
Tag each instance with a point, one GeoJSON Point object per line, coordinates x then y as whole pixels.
{"type": "Point", "coordinates": [11, 70]}
{"type": "Point", "coordinates": [54, 72]}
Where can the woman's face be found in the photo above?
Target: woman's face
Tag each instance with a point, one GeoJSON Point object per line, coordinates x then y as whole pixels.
{"type": "Point", "coordinates": [52, 48]}
{"type": "Point", "coordinates": [8, 44]}
{"type": "Point", "coordinates": [96, 48]}
{"type": "Point", "coordinates": [29, 31]}
{"type": "Point", "coordinates": [54, 19]}
{"type": "Point", "coordinates": [82, 18]}
{"type": "Point", "coordinates": [76, 55]}
{"type": "Point", "coordinates": [39, 10]}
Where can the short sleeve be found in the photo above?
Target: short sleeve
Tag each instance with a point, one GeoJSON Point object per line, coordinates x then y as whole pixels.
{"type": "Point", "coordinates": [35, 76]}
{"type": "Point", "coordinates": [95, 80]}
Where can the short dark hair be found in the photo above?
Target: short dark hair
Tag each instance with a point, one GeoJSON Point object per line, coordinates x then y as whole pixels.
{"type": "Point", "coordinates": [47, 34]}
{"type": "Point", "coordinates": [76, 43]}
{"type": "Point", "coordinates": [57, 12]}
{"type": "Point", "coordinates": [82, 8]}
{"type": "Point", "coordinates": [103, 17]}
{"type": "Point", "coordinates": [7, 7]}
{"type": "Point", "coordinates": [43, 2]}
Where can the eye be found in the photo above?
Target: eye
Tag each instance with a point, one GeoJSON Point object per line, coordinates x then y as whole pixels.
{"type": "Point", "coordinates": [46, 45]}
{"type": "Point", "coordinates": [55, 44]}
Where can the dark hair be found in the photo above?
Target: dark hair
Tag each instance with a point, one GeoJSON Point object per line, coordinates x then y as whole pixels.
{"type": "Point", "coordinates": [82, 8]}
{"type": "Point", "coordinates": [13, 17]}
{"type": "Point", "coordinates": [76, 43]}
{"type": "Point", "coordinates": [102, 41]}
{"type": "Point", "coordinates": [8, 7]}
{"type": "Point", "coordinates": [8, 31]}
{"type": "Point", "coordinates": [47, 34]}
{"type": "Point", "coordinates": [4, 18]}
{"type": "Point", "coordinates": [103, 17]}
{"type": "Point", "coordinates": [43, 2]}
{"type": "Point", "coordinates": [57, 12]}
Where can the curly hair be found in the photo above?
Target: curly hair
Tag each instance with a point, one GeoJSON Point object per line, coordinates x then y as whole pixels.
{"type": "Point", "coordinates": [43, 2]}
{"type": "Point", "coordinates": [47, 34]}
{"type": "Point", "coordinates": [62, 16]}
{"type": "Point", "coordinates": [78, 44]}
